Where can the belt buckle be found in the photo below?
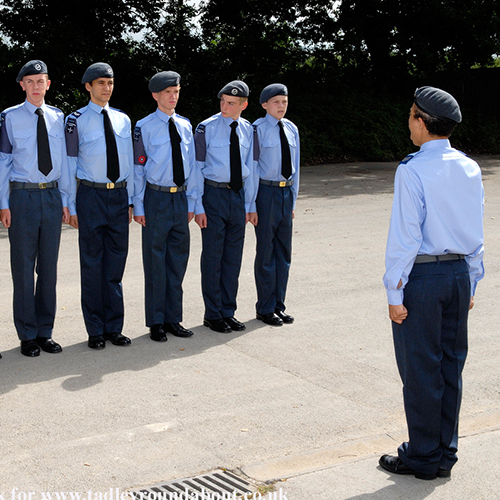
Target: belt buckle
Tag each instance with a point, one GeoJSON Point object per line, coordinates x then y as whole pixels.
{"type": "Point", "coordinates": [228, 186]}
{"type": "Point", "coordinates": [174, 189]}
{"type": "Point", "coordinates": [282, 184]}
{"type": "Point", "coordinates": [42, 185]}
{"type": "Point", "coordinates": [110, 185]}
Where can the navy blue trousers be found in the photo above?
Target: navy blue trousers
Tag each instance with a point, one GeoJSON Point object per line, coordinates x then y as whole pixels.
{"type": "Point", "coordinates": [165, 253]}
{"type": "Point", "coordinates": [34, 234]}
{"type": "Point", "coordinates": [103, 228]}
{"type": "Point", "coordinates": [431, 347]}
{"type": "Point", "coordinates": [222, 240]}
{"type": "Point", "coordinates": [274, 247]}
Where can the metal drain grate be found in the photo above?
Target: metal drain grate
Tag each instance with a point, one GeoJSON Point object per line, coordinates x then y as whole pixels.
{"type": "Point", "coordinates": [219, 484]}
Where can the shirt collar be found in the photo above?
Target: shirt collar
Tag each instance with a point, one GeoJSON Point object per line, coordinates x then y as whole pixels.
{"type": "Point", "coordinates": [32, 108]}
{"type": "Point", "coordinates": [435, 144]}
{"type": "Point", "coordinates": [273, 121]}
{"type": "Point", "coordinates": [163, 116]}
{"type": "Point", "coordinates": [98, 109]}
{"type": "Point", "coordinates": [229, 120]}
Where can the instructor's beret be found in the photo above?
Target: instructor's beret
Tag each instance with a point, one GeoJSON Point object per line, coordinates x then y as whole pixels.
{"type": "Point", "coordinates": [236, 88]}
{"type": "Point", "coordinates": [97, 70]}
{"type": "Point", "coordinates": [35, 67]}
{"type": "Point", "coordinates": [272, 90]}
{"type": "Point", "coordinates": [438, 103]}
{"type": "Point", "coordinates": [163, 80]}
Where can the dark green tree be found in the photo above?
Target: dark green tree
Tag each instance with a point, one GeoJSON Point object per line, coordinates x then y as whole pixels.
{"type": "Point", "coordinates": [260, 40]}
{"type": "Point", "coordinates": [69, 37]}
{"type": "Point", "coordinates": [387, 36]}
{"type": "Point", "coordinates": [173, 43]}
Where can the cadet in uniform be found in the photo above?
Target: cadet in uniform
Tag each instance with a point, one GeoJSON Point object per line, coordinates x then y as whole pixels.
{"type": "Point", "coordinates": [168, 185]}
{"type": "Point", "coordinates": [34, 190]}
{"type": "Point", "coordinates": [434, 260]}
{"type": "Point", "coordinates": [224, 145]}
{"type": "Point", "coordinates": [277, 153]}
{"type": "Point", "coordinates": [99, 146]}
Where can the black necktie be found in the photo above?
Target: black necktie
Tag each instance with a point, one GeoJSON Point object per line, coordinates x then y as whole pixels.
{"type": "Point", "coordinates": [113, 170]}
{"type": "Point", "coordinates": [42, 141]}
{"type": "Point", "coordinates": [175, 142]}
{"type": "Point", "coordinates": [235, 159]}
{"type": "Point", "coordinates": [286, 159]}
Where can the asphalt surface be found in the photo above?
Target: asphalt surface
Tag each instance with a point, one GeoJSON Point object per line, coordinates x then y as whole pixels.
{"type": "Point", "coordinates": [308, 407]}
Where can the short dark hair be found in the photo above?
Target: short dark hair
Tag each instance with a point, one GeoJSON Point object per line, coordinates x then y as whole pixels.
{"type": "Point", "coordinates": [435, 126]}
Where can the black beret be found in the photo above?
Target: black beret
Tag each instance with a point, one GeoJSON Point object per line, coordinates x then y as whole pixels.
{"type": "Point", "coordinates": [271, 91]}
{"type": "Point", "coordinates": [236, 88]}
{"type": "Point", "coordinates": [163, 80]}
{"type": "Point", "coordinates": [97, 70]}
{"type": "Point", "coordinates": [35, 67]}
{"type": "Point", "coordinates": [438, 103]}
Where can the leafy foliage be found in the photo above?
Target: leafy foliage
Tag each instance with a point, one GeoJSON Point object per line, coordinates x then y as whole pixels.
{"type": "Point", "coordinates": [351, 66]}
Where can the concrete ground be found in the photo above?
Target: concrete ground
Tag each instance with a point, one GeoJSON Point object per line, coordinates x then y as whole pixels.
{"type": "Point", "coordinates": [309, 406]}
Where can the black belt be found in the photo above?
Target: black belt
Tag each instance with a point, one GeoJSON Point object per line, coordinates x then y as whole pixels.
{"type": "Point", "coordinates": [33, 185]}
{"type": "Point", "coordinates": [167, 189]}
{"type": "Point", "coordinates": [219, 184]}
{"type": "Point", "coordinates": [423, 259]}
{"type": "Point", "coordinates": [104, 185]}
{"type": "Point", "coordinates": [280, 184]}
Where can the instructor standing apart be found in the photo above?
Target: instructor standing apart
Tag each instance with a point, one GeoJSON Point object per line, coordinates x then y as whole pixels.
{"type": "Point", "coordinates": [99, 145]}
{"type": "Point", "coordinates": [34, 188]}
{"type": "Point", "coordinates": [434, 260]}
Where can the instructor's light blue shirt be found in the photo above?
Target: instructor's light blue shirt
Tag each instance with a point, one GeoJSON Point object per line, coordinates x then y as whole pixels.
{"type": "Point", "coordinates": [438, 209]}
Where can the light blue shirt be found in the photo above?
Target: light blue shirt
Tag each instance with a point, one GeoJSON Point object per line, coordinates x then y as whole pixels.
{"type": "Point", "coordinates": [18, 149]}
{"type": "Point", "coordinates": [438, 209]}
{"type": "Point", "coordinates": [86, 147]}
{"type": "Point", "coordinates": [267, 147]}
{"type": "Point", "coordinates": [153, 159]}
{"type": "Point", "coordinates": [212, 140]}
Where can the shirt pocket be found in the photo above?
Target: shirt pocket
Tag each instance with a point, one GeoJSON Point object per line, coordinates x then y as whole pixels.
{"type": "Point", "coordinates": [56, 141]}
{"type": "Point", "coordinates": [186, 145]}
{"type": "Point", "coordinates": [94, 142]}
{"type": "Point", "coordinates": [24, 139]}
{"type": "Point", "coordinates": [159, 147]}
{"type": "Point", "coordinates": [123, 139]}
{"type": "Point", "coordinates": [270, 142]}
{"type": "Point", "coordinates": [219, 148]}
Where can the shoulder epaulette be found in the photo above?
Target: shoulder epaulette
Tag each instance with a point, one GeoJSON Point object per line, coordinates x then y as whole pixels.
{"type": "Point", "coordinates": [119, 110]}
{"type": "Point", "coordinates": [257, 122]}
{"type": "Point", "coordinates": [182, 118]}
{"type": "Point", "coordinates": [408, 158]}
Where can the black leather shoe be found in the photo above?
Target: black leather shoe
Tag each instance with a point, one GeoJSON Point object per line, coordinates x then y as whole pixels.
{"type": "Point", "coordinates": [234, 324]}
{"type": "Point", "coordinates": [177, 330]}
{"type": "Point", "coordinates": [117, 338]}
{"type": "Point", "coordinates": [217, 325]}
{"type": "Point", "coordinates": [157, 333]}
{"type": "Point", "coordinates": [97, 342]}
{"type": "Point", "coordinates": [444, 473]}
{"type": "Point", "coordinates": [270, 319]}
{"type": "Point", "coordinates": [286, 318]}
{"type": "Point", "coordinates": [394, 465]}
{"type": "Point", "coordinates": [30, 348]}
{"type": "Point", "coordinates": [48, 345]}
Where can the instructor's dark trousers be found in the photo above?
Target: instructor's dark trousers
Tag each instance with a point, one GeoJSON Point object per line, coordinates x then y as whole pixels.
{"type": "Point", "coordinates": [431, 347]}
